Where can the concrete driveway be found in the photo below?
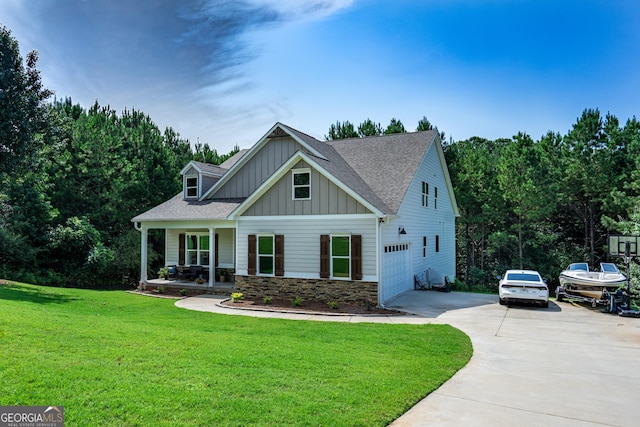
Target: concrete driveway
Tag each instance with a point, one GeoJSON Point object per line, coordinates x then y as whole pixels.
{"type": "Point", "coordinates": [566, 365]}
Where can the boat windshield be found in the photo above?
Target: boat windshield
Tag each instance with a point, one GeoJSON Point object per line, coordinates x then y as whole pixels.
{"type": "Point", "coordinates": [523, 276]}
{"type": "Point", "coordinates": [580, 266]}
{"type": "Point", "coordinates": [608, 267]}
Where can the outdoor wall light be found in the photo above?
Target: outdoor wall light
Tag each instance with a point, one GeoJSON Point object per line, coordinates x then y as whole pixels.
{"type": "Point", "coordinates": [401, 230]}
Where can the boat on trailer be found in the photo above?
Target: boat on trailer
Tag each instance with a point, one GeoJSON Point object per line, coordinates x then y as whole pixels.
{"type": "Point", "coordinates": [580, 282]}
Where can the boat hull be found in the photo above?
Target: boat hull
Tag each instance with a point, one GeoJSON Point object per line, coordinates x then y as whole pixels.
{"type": "Point", "coordinates": [590, 286]}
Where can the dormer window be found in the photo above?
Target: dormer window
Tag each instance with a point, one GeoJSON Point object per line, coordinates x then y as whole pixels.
{"type": "Point", "coordinates": [301, 184]}
{"type": "Point", "coordinates": [191, 186]}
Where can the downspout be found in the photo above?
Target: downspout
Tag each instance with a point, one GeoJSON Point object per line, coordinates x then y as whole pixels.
{"type": "Point", "coordinates": [379, 222]}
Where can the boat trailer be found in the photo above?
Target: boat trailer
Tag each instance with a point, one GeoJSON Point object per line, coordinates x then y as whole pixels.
{"type": "Point", "coordinates": [562, 294]}
{"type": "Point", "coordinates": [617, 302]}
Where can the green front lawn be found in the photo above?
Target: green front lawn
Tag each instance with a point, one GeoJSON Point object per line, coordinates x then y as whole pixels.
{"type": "Point", "coordinates": [117, 359]}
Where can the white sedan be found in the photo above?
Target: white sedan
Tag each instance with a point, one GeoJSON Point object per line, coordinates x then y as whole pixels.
{"type": "Point", "coordinates": [523, 286]}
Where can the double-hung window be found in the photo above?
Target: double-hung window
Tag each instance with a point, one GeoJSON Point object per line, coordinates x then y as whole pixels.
{"type": "Point", "coordinates": [301, 180]}
{"type": "Point", "coordinates": [425, 194]}
{"type": "Point", "coordinates": [192, 186]}
{"type": "Point", "coordinates": [198, 249]}
{"type": "Point", "coordinates": [266, 253]}
{"type": "Point", "coordinates": [435, 198]}
{"type": "Point", "coordinates": [340, 256]}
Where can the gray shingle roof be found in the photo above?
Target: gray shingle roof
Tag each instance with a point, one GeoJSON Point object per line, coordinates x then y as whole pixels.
{"type": "Point", "coordinates": [379, 169]}
{"type": "Point", "coordinates": [386, 163]}
{"type": "Point", "coordinates": [210, 169]}
{"type": "Point", "coordinates": [179, 208]}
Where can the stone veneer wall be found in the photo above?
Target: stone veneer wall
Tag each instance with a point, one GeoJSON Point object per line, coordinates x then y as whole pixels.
{"type": "Point", "coordinates": [322, 290]}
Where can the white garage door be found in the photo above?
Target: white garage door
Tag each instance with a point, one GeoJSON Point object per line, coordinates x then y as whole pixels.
{"type": "Point", "coordinates": [396, 270]}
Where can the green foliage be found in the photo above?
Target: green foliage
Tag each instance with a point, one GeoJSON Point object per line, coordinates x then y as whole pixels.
{"type": "Point", "coordinates": [333, 304]}
{"type": "Point", "coordinates": [22, 108]}
{"type": "Point", "coordinates": [236, 296]}
{"type": "Point", "coordinates": [543, 204]}
{"type": "Point", "coordinates": [163, 273]}
{"type": "Point", "coordinates": [297, 301]}
{"type": "Point", "coordinates": [267, 300]}
{"type": "Point", "coordinates": [394, 126]}
{"type": "Point", "coordinates": [342, 130]}
{"type": "Point", "coordinates": [369, 128]}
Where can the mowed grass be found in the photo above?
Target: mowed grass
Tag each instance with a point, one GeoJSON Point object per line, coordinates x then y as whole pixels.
{"type": "Point", "coordinates": [117, 359]}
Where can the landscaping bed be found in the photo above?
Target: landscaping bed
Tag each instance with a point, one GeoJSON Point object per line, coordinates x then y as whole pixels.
{"type": "Point", "coordinates": [309, 306]}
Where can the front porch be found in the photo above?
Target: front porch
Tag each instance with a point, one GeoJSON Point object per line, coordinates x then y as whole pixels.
{"type": "Point", "coordinates": [191, 287]}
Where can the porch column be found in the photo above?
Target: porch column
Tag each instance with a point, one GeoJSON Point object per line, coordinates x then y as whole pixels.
{"type": "Point", "coordinates": [143, 254]}
{"type": "Point", "coordinates": [212, 256]}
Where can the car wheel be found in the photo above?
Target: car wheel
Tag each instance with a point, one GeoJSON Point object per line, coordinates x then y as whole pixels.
{"type": "Point", "coordinates": [501, 301]}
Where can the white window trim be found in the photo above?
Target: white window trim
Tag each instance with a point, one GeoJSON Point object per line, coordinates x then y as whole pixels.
{"type": "Point", "coordinates": [425, 195]}
{"type": "Point", "coordinates": [273, 254]}
{"type": "Point", "coordinates": [197, 186]}
{"type": "Point", "coordinates": [294, 172]}
{"type": "Point", "coordinates": [197, 250]}
{"type": "Point", "coordinates": [435, 198]}
{"type": "Point", "coordinates": [339, 256]}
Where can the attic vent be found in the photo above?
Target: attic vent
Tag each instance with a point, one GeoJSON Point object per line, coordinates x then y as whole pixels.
{"type": "Point", "coordinates": [277, 133]}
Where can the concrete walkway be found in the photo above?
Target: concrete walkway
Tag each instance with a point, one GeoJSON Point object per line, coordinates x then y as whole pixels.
{"type": "Point", "coordinates": [561, 366]}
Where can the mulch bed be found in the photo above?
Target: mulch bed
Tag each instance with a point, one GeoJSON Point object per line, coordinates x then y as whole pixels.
{"type": "Point", "coordinates": [308, 306]}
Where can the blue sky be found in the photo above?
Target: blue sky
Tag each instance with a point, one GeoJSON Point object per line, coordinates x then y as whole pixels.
{"type": "Point", "coordinates": [224, 72]}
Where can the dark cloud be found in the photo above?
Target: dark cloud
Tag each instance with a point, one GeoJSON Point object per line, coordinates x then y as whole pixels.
{"type": "Point", "coordinates": [195, 42]}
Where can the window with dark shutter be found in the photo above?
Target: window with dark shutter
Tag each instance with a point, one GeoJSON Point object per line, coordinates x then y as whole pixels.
{"type": "Point", "coordinates": [251, 256]}
{"type": "Point", "coordinates": [279, 256]}
{"type": "Point", "coordinates": [324, 256]}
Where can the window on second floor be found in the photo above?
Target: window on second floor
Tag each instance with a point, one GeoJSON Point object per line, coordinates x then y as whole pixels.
{"type": "Point", "coordinates": [191, 186]}
{"type": "Point", "coordinates": [301, 184]}
{"type": "Point", "coordinates": [425, 194]}
{"type": "Point", "coordinates": [435, 198]}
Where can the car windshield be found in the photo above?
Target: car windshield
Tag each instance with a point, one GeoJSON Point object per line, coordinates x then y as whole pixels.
{"type": "Point", "coordinates": [528, 277]}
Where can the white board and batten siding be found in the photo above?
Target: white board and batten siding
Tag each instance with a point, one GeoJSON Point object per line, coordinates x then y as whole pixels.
{"type": "Point", "coordinates": [302, 240]}
{"type": "Point", "coordinates": [419, 221]}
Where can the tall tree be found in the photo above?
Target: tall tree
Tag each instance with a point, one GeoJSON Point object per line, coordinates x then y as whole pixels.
{"type": "Point", "coordinates": [341, 130]}
{"type": "Point", "coordinates": [369, 128]}
{"type": "Point", "coordinates": [394, 126]}
{"type": "Point", "coordinates": [522, 170]}
{"type": "Point", "coordinates": [22, 105]}
{"type": "Point", "coordinates": [425, 124]}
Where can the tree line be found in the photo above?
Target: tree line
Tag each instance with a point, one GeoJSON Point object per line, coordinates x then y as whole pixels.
{"type": "Point", "coordinates": [539, 204]}
{"type": "Point", "coordinates": [72, 178]}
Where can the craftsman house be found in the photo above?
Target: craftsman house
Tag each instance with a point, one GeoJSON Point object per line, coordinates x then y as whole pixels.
{"type": "Point", "coordinates": [349, 220]}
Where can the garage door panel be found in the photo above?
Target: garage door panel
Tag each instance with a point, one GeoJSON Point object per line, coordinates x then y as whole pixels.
{"type": "Point", "coordinates": [396, 270]}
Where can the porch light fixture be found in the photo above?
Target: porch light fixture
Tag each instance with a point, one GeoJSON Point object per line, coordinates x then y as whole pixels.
{"type": "Point", "coordinates": [401, 230]}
